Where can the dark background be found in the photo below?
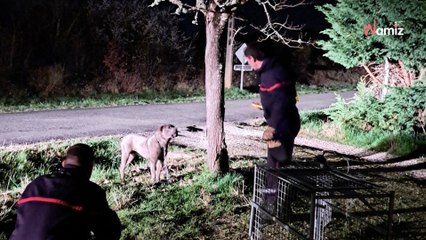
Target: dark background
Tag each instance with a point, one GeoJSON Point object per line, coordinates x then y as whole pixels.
{"type": "Point", "coordinates": [81, 48]}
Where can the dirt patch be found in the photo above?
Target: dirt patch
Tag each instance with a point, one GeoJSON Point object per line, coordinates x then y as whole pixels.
{"type": "Point", "coordinates": [243, 139]}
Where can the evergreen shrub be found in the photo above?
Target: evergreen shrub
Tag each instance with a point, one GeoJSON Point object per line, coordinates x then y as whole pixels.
{"type": "Point", "coordinates": [401, 112]}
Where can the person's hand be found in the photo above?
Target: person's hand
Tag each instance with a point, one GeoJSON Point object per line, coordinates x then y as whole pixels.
{"type": "Point", "coordinates": [268, 134]}
{"type": "Point", "coordinates": [273, 143]}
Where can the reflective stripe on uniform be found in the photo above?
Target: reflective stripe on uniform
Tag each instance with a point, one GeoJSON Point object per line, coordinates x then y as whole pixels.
{"type": "Point", "coordinates": [49, 200]}
{"type": "Point", "coordinates": [273, 87]}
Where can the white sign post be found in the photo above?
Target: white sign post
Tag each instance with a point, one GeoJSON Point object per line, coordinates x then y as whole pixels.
{"type": "Point", "coordinates": [240, 55]}
{"type": "Point", "coordinates": [246, 68]}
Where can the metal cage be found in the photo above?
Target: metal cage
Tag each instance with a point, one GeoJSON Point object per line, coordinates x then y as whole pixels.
{"type": "Point", "coordinates": [310, 202]}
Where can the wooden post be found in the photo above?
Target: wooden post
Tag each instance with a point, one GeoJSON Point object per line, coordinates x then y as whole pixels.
{"type": "Point", "coordinates": [229, 58]}
{"type": "Point", "coordinates": [386, 80]}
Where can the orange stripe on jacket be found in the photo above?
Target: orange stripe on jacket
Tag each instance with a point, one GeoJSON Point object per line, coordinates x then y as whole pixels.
{"type": "Point", "coordinates": [271, 88]}
{"type": "Point", "coordinates": [49, 200]}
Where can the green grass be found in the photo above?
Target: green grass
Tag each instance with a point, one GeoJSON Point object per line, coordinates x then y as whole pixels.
{"type": "Point", "coordinates": [100, 100]}
{"type": "Point", "coordinates": [22, 104]}
{"type": "Point", "coordinates": [308, 89]}
{"type": "Point", "coordinates": [186, 208]}
{"type": "Point", "coordinates": [105, 100]}
{"type": "Point", "coordinates": [399, 145]}
{"type": "Point", "coordinates": [194, 205]}
{"type": "Point", "coordinates": [181, 211]}
{"type": "Point", "coordinates": [314, 124]}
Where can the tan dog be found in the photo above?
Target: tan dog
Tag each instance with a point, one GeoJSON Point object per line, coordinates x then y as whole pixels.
{"type": "Point", "coordinates": [153, 148]}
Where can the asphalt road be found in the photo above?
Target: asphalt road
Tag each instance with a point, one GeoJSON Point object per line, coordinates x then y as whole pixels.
{"type": "Point", "coordinates": [33, 127]}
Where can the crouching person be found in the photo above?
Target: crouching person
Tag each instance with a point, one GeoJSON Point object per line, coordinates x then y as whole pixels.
{"type": "Point", "coordinates": [66, 205]}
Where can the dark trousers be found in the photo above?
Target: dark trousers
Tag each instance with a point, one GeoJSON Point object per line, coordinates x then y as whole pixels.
{"type": "Point", "coordinates": [277, 158]}
{"type": "Point", "coordinates": [280, 156]}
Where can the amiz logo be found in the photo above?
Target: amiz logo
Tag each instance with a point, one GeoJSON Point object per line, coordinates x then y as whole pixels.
{"type": "Point", "coordinates": [394, 30]}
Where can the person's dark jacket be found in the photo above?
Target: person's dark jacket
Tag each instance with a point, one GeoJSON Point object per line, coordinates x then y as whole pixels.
{"type": "Point", "coordinates": [278, 98]}
{"type": "Point", "coordinates": [65, 205]}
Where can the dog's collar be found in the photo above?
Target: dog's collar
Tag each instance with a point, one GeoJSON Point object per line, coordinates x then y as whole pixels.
{"type": "Point", "coordinates": [162, 144]}
{"type": "Point", "coordinates": [163, 147]}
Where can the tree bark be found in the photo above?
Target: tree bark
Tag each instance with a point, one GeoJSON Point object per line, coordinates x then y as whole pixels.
{"type": "Point", "coordinates": [217, 155]}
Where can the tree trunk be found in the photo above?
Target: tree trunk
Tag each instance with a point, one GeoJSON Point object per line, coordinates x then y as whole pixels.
{"type": "Point", "coordinates": [385, 80]}
{"type": "Point", "coordinates": [217, 154]}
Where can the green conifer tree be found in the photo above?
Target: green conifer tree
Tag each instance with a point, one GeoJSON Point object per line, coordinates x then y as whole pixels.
{"type": "Point", "coordinates": [351, 42]}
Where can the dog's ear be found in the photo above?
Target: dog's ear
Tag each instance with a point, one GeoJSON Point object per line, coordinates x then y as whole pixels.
{"type": "Point", "coordinates": [159, 132]}
{"type": "Point", "coordinates": [172, 130]}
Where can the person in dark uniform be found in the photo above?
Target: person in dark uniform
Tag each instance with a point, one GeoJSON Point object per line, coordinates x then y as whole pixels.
{"type": "Point", "coordinates": [66, 205]}
{"type": "Point", "coordinates": [278, 98]}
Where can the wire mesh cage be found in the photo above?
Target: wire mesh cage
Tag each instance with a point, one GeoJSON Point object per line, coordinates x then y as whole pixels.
{"type": "Point", "coordinates": [309, 202]}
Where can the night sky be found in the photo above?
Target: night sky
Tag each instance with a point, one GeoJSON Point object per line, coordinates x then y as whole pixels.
{"type": "Point", "coordinates": [306, 15]}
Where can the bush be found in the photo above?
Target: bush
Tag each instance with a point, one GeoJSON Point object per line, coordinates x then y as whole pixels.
{"type": "Point", "coordinates": [404, 110]}
{"type": "Point", "coordinates": [401, 112]}
{"type": "Point", "coordinates": [356, 114]}
{"type": "Point", "coordinates": [144, 47]}
{"type": "Point", "coordinates": [348, 45]}
{"type": "Point", "coordinates": [48, 81]}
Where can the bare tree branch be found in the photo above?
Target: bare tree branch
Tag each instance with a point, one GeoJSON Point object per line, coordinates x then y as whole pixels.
{"type": "Point", "coordinates": [236, 31]}
{"type": "Point", "coordinates": [183, 7]}
{"type": "Point", "coordinates": [278, 31]}
{"type": "Point", "coordinates": [281, 4]}
{"type": "Point", "coordinates": [201, 6]}
{"type": "Point", "coordinates": [274, 30]}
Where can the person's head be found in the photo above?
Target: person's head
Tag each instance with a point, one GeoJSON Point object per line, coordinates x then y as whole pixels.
{"type": "Point", "coordinates": [255, 53]}
{"type": "Point", "coordinates": [80, 155]}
